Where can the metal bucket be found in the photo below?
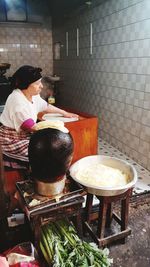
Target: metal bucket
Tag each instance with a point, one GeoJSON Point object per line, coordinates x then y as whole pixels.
{"type": "Point", "coordinates": [113, 162]}
{"type": "Point", "coordinates": [50, 189]}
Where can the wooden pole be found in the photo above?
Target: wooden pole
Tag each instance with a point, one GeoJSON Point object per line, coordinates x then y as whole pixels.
{"type": "Point", "coordinates": [3, 196]}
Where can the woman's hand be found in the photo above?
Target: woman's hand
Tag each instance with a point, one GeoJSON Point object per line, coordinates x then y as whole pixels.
{"type": "Point", "coordinates": [53, 109]}
{"type": "Point", "coordinates": [40, 115]}
{"type": "Point", "coordinates": [70, 115]}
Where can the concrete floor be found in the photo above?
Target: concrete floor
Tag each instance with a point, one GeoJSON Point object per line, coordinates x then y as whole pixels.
{"type": "Point", "coordinates": [136, 251]}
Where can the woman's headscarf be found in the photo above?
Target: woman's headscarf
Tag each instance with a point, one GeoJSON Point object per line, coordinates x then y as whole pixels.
{"type": "Point", "coordinates": [24, 76]}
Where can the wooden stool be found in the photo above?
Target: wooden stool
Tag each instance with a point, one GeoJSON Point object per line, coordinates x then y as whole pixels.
{"type": "Point", "coordinates": [69, 205]}
{"type": "Point", "coordinates": [14, 171]}
{"type": "Point", "coordinates": [11, 177]}
{"type": "Point", "coordinates": [56, 212]}
{"type": "Point", "coordinates": [105, 216]}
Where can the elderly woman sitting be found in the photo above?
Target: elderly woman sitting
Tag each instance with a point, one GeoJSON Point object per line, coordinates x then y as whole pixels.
{"type": "Point", "coordinates": [22, 109]}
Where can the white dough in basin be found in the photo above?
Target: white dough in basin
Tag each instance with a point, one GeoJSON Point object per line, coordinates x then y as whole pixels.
{"type": "Point", "coordinates": [101, 175]}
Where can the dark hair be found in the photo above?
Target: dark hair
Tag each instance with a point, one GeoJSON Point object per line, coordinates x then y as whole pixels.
{"type": "Point", "coordinates": [50, 154]}
{"type": "Point", "coordinates": [24, 76]}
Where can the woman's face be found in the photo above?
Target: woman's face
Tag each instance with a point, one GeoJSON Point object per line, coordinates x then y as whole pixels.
{"type": "Point", "coordinates": [35, 87]}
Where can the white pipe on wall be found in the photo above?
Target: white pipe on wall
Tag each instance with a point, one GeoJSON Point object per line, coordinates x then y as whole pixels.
{"type": "Point", "coordinates": [77, 42]}
{"type": "Point", "coordinates": [67, 44]}
{"type": "Point", "coordinates": [91, 39]}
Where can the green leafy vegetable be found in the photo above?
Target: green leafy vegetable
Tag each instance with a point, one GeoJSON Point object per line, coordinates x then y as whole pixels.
{"type": "Point", "coordinates": [62, 247]}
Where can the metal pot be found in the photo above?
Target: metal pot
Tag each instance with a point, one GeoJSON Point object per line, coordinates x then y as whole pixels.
{"type": "Point", "coordinates": [4, 67]}
{"type": "Point", "coordinates": [113, 162]}
{"type": "Point", "coordinates": [50, 189]}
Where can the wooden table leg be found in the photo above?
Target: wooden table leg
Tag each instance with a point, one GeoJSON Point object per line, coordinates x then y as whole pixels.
{"type": "Point", "coordinates": [102, 218]}
{"type": "Point", "coordinates": [109, 215]}
{"type": "Point", "coordinates": [36, 226]}
{"type": "Point", "coordinates": [78, 218]}
{"type": "Point", "coordinates": [124, 213]}
{"type": "Point", "coordinates": [88, 208]}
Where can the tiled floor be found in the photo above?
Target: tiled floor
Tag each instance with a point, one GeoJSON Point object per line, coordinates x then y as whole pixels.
{"type": "Point", "coordinates": [143, 183]}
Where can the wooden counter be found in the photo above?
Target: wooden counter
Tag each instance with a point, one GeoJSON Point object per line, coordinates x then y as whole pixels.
{"type": "Point", "coordinates": [85, 135]}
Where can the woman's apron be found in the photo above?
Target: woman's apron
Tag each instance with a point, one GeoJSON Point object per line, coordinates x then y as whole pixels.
{"type": "Point", "coordinates": [14, 144]}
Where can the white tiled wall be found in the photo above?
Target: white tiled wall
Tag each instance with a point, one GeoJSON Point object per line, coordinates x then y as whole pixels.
{"type": "Point", "coordinates": [26, 45]}
{"type": "Point", "coordinates": [113, 82]}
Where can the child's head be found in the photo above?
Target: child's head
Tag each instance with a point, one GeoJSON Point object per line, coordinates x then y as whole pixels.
{"type": "Point", "coordinates": [50, 154]}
